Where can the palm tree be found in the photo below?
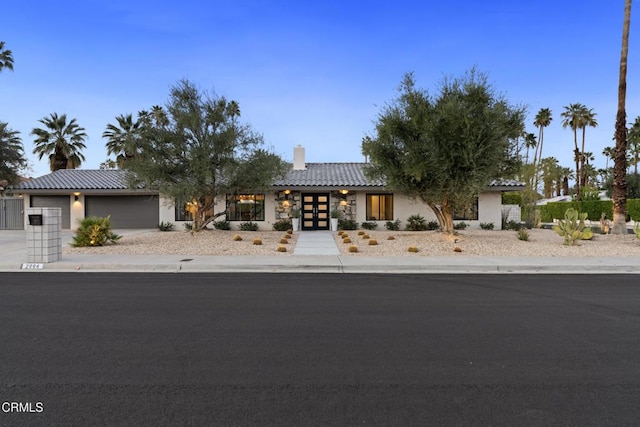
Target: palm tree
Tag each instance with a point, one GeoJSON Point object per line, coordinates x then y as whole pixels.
{"type": "Point", "coordinates": [567, 174]}
{"type": "Point", "coordinates": [529, 142]}
{"type": "Point", "coordinates": [12, 158]}
{"type": "Point", "coordinates": [123, 140]}
{"type": "Point", "coordinates": [63, 142]}
{"type": "Point", "coordinates": [608, 153]}
{"type": "Point", "coordinates": [633, 142]}
{"type": "Point", "coordinates": [572, 115]}
{"type": "Point", "coordinates": [588, 119]}
{"type": "Point", "coordinates": [541, 121]}
{"type": "Point", "coordinates": [619, 193]}
{"type": "Point", "coordinates": [6, 58]}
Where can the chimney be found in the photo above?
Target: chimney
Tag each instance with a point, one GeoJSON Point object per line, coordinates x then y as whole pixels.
{"type": "Point", "coordinates": [298, 158]}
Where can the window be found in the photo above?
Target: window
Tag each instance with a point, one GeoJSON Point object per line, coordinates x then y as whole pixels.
{"type": "Point", "coordinates": [470, 213]}
{"type": "Point", "coordinates": [182, 213]}
{"type": "Point", "coordinates": [379, 207]}
{"type": "Point", "coordinates": [245, 207]}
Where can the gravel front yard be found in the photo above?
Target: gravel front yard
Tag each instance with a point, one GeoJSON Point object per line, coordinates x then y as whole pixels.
{"type": "Point", "coordinates": [429, 243]}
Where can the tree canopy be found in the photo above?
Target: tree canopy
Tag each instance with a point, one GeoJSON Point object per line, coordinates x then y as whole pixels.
{"type": "Point", "coordinates": [63, 142]}
{"type": "Point", "coordinates": [199, 151]}
{"type": "Point", "coordinates": [445, 149]}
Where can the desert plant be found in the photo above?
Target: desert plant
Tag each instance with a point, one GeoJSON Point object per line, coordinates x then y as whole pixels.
{"type": "Point", "coordinates": [572, 227]}
{"type": "Point", "coordinates": [460, 226]}
{"type": "Point", "coordinates": [353, 248]}
{"type": "Point", "coordinates": [636, 230]}
{"type": "Point", "coordinates": [290, 231]}
{"type": "Point", "coordinates": [346, 240]}
{"type": "Point", "coordinates": [522, 234]}
{"type": "Point", "coordinates": [237, 238]}
{"type": "Point", "coordinates": [284, 241]}
{"type": "Point", "coordinates": [282, 249]}
{"type": "Point", "coordinates": [257, 241]}
{"type": "Point", "coordinates": [391, 238]}
{"type": "Point", "coordinates": [249, 226]}
{"type": "Point", "coordinates": [369, 225]}
{"type": "Point", "coordinates": [222, 225]}
{"type": "Point", "coordinates": [282, 225]}
{"type": "Point", "coordinates": [412, 249]}
{"type": "Point", "coordinates": [416, 223]}
{"type": "Point", "coordinates": [94, 231]}
{"type": "Point", "coordinates": [487, 225]}
{"type": "Point", "coordinates": [286, 236]}
{"type": "Point", "coordinates": [365, 236]}
{"type": "Point", "coordinates": [433, 225]}
{"type": "Point", "coordinates": [361, 233]}
{"type": "Point", "coordinates": [347, 224]}
{"type": "Point", "coordinates": [335, 213]}
{"type": "Point", "coordinates": [373, 242]}
{"type": "Point", "coordinates": [340, 233]}
{"type": "Point", "coordinates": [294, 213]}
{"type": "Point", "coordinates": [188, 226]}
{"type": "Point", "coordinates": [165, 226]}
{"type": "Point", "coordinates": [393, 225]}
{"type": "Point", "coordinates": [513, 225]}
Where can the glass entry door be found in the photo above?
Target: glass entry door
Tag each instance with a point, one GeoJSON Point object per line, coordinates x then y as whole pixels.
{"type": "Point", "coordinates": [315, 211]}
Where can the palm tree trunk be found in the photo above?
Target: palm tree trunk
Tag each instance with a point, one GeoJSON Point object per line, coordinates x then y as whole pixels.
{"type": "Point", "coordinates": [583, 179]}
{"type": "Point", "coordinates": [620, 165]}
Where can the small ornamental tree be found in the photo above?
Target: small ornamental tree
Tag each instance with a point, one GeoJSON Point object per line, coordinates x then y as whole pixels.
{"type": "Point", "coordinates": [445, 149]}
{"type": "Point", "coordinates": [201, 152]}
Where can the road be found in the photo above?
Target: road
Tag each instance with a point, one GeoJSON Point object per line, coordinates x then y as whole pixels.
{"type": "Point", "coordinates": [319, 349]}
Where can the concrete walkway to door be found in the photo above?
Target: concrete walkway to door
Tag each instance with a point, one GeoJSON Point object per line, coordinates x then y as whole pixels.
{"type": "Point", "coordinates": [316, 243]}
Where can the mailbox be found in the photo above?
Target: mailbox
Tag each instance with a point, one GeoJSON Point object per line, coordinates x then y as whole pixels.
{"type": "Point", "coordinates": [35, 219]}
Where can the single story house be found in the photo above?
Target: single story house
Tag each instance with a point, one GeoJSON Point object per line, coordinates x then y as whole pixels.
{"type": "Point", "coordinates": [314, 188]}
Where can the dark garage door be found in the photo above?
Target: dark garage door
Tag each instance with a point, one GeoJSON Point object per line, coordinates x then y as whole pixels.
{"type": "Point", "coordinates": [55, 202]}
{"type": "Point", "coordinates": [125, 211]}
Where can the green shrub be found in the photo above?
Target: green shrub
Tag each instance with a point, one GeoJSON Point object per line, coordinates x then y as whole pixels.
{"type": "Point", "coordinates": [249, 226]}
{"type": "Point", "coordinates": [222, 225]}
{"type": "Point", "coordinates": [393, 225]}
{"type": "Point", "coordinates": [347, 224]}
{"type": "Point", "coordinates": [282, 225]}
{"type": "Point", "coordinates": [433, 225]}
{"type": "Point", "coordinates": [513, 225]}
{"type": "Point", "coordinates": [593, 209]}
{"type": "Point", "coordinates": [512, 198]}
{"type": "Point", "coordinates": [165, 226]}
{"type": "Point", "coordinates": [416, 223]}
{"type": "Point", "coordinates": [369, 225]}
{"type": "Point", "coordinates": [487, 225]}
{"type": "Point", "coordinates": [460, 226]}
{"type": "Point", "coordinates": [188, 226]}
{"type": "Point", "coordinates": [94, 231]}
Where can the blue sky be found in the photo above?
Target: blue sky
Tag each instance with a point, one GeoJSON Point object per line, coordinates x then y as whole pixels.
{"type": "Point", "coordinates": [309, 73]}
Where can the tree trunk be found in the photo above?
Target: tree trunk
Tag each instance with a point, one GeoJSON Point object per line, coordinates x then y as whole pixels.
{"type": "Point", "coordinates": [576, 153]}
{"type": "Point", "coordinates": [620, 161]}
{"type": "Point", "coordinates": [444, 214]}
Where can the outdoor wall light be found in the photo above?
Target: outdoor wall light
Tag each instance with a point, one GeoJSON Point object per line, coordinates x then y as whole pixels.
{"type": "Point", "coordinates": [76, 196]}
{"type": "Point", "coordinates": [344, 192]}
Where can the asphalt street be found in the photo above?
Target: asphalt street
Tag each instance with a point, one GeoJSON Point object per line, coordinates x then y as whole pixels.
{"type": "Point", "coordinates": [319, 349]}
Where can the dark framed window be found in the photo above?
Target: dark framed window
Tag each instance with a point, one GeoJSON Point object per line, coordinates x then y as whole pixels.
{"type": "Point", "coordinates": [245, 207]}
{"type": "Point", "coordinates": [470, 213]}
{"type": "Point", "coordinates": [182, 213]}
{"type": "Point", "coordinates": [379, 207]}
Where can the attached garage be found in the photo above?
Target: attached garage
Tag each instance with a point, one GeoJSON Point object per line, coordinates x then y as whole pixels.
{"type": "Point", "coordinates": [125, 211]}
{"type": "Point", "coordinates": [63, 202]}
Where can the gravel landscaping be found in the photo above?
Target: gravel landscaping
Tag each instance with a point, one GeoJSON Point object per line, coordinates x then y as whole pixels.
{"type": "Point", "coordinates": [428, 243]}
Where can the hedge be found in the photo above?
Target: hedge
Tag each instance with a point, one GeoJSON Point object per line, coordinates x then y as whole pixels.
{"type": "Point", "coordinates": [511, 198]}
{"type": "Point", "coordinates": [593, 208]}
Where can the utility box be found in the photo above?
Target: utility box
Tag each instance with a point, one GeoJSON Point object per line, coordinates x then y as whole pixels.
{"type": "Point", "coordinates": [44, 235]}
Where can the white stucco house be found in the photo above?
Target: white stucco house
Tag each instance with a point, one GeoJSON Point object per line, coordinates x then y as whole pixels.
{"type": "Point", "coordinates": [314, 188]}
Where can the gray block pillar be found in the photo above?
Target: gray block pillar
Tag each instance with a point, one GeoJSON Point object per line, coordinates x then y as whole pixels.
{"type": "Point", "coordinates": [44, 241]}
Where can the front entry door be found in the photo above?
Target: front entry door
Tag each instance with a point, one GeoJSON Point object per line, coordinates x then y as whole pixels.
{"type": "Point", "coordinates": [315, 211]}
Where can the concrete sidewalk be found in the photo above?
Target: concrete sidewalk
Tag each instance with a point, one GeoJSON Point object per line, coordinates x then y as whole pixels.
{"type": "Point", "coordinates": [318, 257]}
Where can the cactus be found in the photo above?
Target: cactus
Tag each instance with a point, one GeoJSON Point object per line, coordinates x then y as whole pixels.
{"type": "Point", "coordinates": [257, 241]}
{"type": "Point", "coordinates": [412, 249]}
{"type": "Point", "coordinates": [237, 238]}
{"type": "Point", "coordinates": [353, 248]}
{"type": "Point", "coordinates": [572, 227]}
{"type": "Point", "coordinates": [373, 242]}
{"type": "Point", "coordinates": [282, 249]}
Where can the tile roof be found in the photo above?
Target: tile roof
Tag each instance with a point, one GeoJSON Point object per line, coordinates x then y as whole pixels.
{"type": "Point", "coordinates": [329, 175]}
{"type": "Point", "coordinates": [315, 175]}
{"type": "Point", "coordinates": [78, 179]}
